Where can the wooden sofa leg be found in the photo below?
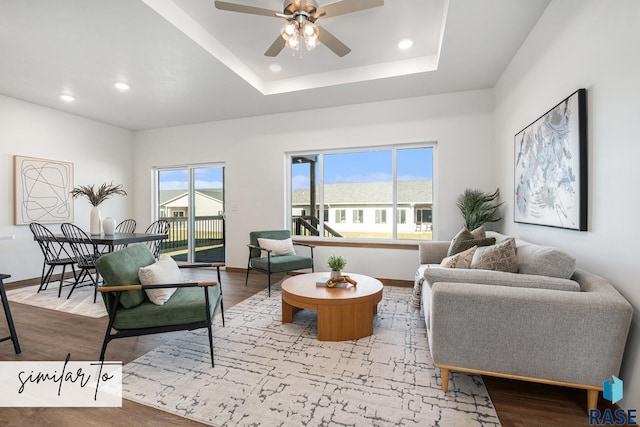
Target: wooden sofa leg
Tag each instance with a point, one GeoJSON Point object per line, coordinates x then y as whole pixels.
{"type": "Point", "coordinates": [592, 399]}
{"type": "Point", "coordinates": [445, 379]}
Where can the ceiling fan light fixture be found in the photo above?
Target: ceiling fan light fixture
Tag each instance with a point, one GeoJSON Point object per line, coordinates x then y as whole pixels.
{"type": "Point", "coordinates": [310, 42]}
{"type": "Point", "coordinates": [310, 29]}
{"type": "Point", "coordinates": [289, 30]}
{"type": "Point", "coordinates": [300, 16]}
{"type": "Point", "coordinates": [293, 43]}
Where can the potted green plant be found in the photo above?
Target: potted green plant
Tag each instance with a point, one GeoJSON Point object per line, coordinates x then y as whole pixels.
{"type": "Point", "coordinates": [336, 263]}
{"type": "Point", "coordinates": [96, 197]}
{"type": "Point", "coordinates": [478, 207]}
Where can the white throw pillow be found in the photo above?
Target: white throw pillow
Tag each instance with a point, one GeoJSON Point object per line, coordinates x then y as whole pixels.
{"type": "Point", "coordinates": [279, 247]}
{"type": "Point", "coordinates": [163, 271]}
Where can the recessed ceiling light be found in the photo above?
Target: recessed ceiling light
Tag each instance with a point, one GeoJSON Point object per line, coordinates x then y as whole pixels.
{"type": "Point", "coordinates": [121, 85]}
{"type": "Point", "coordinates": [67, 97]}
{"type": "Point", "coordinates": [405, 44]}
{"type": "Point", "coordinates": [275, 67]}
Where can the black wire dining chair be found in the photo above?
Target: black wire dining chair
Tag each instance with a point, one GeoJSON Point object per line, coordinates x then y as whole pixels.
{"type": "Point", "coordinates": [85, 252]}
{"type": "Point", "coordinates": [55, 254]}
{"type": "Point", "coordinates": [160, 226]}
{"type": "Point", "coordinates": [126, 226]}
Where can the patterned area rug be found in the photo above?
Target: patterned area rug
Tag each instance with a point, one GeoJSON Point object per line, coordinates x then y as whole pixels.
{"type": "Point", "coordinates": [80, 303]}
{"type": "Point", "coordinates": [268, 373]}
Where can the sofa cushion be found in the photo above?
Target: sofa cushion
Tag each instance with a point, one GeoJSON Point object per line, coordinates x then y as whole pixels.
{"type": "Point", "coordinates": [278, 247]}
{"type": "Point", "coordinates": [187, 305]}
{"type": "Point", "coordinates": [498, 278]}
{"type": "Point", "coordinates": [465, 239]}
{"type": "Point", "coordinates": [459, 260]}
{"type": "Point", "coordinates": [282, 263]}
{"type": "Point", "coordinates": [500, 257]}
{"type": "Point", "coordinates": [164, 271]}
{"type": "Point", "coordinates": [545, 261]}
{"type": "Point", "coordinates": [540, 260]}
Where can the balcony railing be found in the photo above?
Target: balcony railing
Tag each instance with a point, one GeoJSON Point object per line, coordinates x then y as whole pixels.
{"type": "Point", "coordinates": [208, 231]}
{"type": "Point", "coordinates": [308, 226]}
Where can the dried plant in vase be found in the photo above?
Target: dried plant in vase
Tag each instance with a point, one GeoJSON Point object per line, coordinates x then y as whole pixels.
{"type": "Point", "coordinates": [97, 197]}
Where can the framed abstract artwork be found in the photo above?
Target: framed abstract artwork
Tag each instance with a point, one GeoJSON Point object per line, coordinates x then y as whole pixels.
{"type": "Point", "coordinates": [42, 191]}
{"type": "Point", "coordinates": [551, 167]}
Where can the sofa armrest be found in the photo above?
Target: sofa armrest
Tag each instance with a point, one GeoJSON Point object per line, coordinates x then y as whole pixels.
{"type": "Point", "coordinates": [574, 337]}
{"type": "Point", "coordinates": [433, 252]}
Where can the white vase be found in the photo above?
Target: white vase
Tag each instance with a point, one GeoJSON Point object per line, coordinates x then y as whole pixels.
{"type": "Point", "coordinates": [335, 274]}
{"type": "Point", "coordinates": [95, 220]}
{"type": "Point", "coordinates": [109, 225]}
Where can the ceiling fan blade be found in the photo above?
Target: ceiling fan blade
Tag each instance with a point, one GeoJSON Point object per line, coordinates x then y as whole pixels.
{"type": "Point", "coordinates": [235, 7]}
{"type": "Point", "coordinates": [330, 41]}
{"type": "Point", "coordinates": [347, 6]}
{"type": "Point", "coordinates": [317, 15]}
{"type": "Point", "coordinates": [276, 47]}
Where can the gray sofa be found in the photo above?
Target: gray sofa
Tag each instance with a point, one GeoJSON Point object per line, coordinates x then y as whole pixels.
{"type": "Point", "coordinates": [569, 331]}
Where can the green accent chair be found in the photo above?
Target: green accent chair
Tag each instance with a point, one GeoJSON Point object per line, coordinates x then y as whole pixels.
{"type": "Point", "coordinates": [275, 264]}
{"type": "Point", "coordinates": [131, 313]}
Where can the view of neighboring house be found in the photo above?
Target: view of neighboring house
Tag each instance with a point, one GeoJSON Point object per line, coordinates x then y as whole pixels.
{"type": "Point", "coordinates": [175, 203]}
{"type": "Point", "coordinates": [365, 208]}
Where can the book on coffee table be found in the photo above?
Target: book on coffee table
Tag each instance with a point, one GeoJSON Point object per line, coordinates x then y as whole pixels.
{"type": "Point", "coordinates": [322, 281]}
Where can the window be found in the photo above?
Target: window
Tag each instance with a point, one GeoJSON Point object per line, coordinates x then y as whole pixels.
{"type": "Point", "coordinates": [178, 214]}
{"type": "Point", "coordinates": [357, 216]}
{"type": "Point", "coordinates": [423, 216]}
{"type": "Point", "coordinates": [424, 219]}
{"type": "Point", "coordinates": [402, 216]}
{"type": "Point", "coordinates": [386, 192]}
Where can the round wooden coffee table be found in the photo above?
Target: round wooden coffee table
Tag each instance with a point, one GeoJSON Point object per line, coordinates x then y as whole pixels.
{"type": "Point", "coordinates": [343, 313]}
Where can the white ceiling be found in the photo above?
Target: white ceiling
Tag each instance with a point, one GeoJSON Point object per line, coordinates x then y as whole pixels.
{"type": "Point", "coordinates": [188, 62]}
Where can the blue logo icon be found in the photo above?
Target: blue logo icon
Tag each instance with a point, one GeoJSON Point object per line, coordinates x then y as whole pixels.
{"type": "Point", "coordinates": [612, 389]}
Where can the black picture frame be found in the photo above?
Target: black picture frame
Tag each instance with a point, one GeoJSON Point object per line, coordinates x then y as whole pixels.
{"type": "Point", "coordinates": [550, 167]}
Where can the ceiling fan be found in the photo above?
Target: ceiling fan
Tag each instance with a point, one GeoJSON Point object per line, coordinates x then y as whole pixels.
{"type": "Point", "coordinates": [301, 17]}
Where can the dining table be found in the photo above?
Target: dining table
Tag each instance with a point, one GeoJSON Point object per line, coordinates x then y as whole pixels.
{"type": "Point", "coordinates": [112, 240]}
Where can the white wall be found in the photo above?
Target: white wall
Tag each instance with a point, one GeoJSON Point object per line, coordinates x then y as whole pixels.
{"type": "Point", "coordinates": [594, 45]}
{"type": "Point", "coordinates": [99, 153]}
{"type": "Point", "coordinates": [253, 150]}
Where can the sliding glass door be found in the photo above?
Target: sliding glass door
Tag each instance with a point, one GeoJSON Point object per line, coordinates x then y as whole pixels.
{"type": "Point", "coordinates": [191, 198]}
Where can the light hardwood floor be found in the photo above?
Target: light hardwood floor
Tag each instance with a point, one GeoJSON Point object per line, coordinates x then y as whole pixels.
{"type": "Point", "coordinates": [50, 335]}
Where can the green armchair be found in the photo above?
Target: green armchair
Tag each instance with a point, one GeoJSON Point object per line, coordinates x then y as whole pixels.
{"type": "Point", "coordinates": [268, 260]}
{"type": "Point", "coordinates": [131, 313]}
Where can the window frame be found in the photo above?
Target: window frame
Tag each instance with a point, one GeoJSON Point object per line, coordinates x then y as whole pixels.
{"type": "Point", "coordinates": [381, 216]}
{"type": "Point", "coordinates": [401, 216]}
{"type": "Point", "coordinates": [357, 216]}
{"type": "Point", "coordinates": [394, 207]}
